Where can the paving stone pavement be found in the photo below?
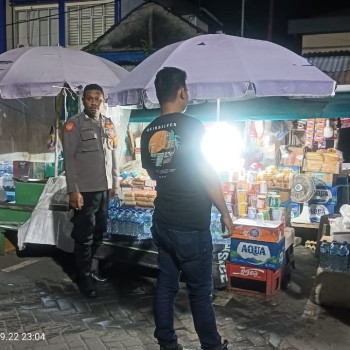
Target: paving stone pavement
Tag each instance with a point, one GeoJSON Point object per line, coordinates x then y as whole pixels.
{"type": "Point", "coordinates": [41, 308]}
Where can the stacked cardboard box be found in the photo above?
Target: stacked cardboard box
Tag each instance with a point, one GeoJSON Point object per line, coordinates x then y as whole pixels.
{"type": "Point", "coordinates": [257, 254]}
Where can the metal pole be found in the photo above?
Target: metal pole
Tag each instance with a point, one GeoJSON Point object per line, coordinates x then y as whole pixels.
{"type": "Point", "coordinates": [117, 11]}
{"type": "Point", "coordinates": [61, 24]}
{"type": "Point", "coordinates": [270, 26]}
{"type": "Point", "coordinates": [57, 121]}
{"type": "Point", "coordinates": [3, 47]}
{"type": "Point", "coordinates": [12, 26]}
{"type": "Point", "coordinates": [242, 18]}
{"type": "Point", "coordinates": [218, 109]}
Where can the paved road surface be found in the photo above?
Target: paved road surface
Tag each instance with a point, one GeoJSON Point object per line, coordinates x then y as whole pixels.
{"type": "Point", "coordinates": [41, 308]}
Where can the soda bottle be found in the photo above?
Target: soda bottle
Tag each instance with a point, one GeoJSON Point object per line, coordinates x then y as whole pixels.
{"type": "Point", "coordinates": [324, 254]}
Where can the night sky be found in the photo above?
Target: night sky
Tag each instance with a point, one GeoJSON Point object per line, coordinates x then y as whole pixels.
{"type": "Point", "coordinates": [257, 16]}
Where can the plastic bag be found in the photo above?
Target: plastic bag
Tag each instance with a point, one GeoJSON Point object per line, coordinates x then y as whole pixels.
{"type": "Point", "coordinates": [345, 213]}
{"type": "Point", "coordinates": [50, 222]}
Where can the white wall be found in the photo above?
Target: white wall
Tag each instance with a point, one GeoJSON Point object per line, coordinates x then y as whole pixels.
{"type": "Point", "coordinates": [326, 42]}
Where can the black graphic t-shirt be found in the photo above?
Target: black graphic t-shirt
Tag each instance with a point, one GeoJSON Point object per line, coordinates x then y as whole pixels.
{"type": "Point", "coordinates": [171, 153]}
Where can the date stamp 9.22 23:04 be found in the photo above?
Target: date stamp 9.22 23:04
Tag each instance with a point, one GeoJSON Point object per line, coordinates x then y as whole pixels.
{"type": "Point", "coordinates": [24, 336]}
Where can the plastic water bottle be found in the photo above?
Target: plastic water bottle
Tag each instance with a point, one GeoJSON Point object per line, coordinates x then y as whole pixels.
{"type": "Point", "coordinates": [114, 221]}
{"type": "Point", "coordinates": [324, 254]}
{"type": "Point", "coordinates": [133, 223]}
{"type": "Point", "coordinates": [333, 256]}
{"type": "Point", "coordinates": [127, 222]}
{"type": "Point", "coordinates": [140, 224]}
{"type": "Point", "coordinates": [109, 222]}
{"type": "Point", "coordinates": [215, 224]}
{"type": "Point", "coordinates": [121, 221]}
{"type": "Point", "coordinates": [343, 257]}
{"type": "Point", "coordinates": [147, 223]}
{"type": "Point", "coordinates": [114, 203]}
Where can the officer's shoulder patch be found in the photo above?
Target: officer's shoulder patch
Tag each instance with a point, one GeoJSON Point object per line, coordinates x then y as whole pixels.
{"type": "Point", "coordinates": [69, 126]}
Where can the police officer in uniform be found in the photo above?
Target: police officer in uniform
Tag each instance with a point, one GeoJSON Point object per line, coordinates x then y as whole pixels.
{"type": "Point", "coordinates": [89, 142]}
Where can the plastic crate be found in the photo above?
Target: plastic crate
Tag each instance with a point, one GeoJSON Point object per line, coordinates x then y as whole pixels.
{"type": "Point", "coordinates": [253, 281]}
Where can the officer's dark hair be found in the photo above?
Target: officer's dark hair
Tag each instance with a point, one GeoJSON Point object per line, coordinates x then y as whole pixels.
{"type": "Point", "coordinates": [92, 87]}
{"type": "Point", "coordinates": [168, 82]}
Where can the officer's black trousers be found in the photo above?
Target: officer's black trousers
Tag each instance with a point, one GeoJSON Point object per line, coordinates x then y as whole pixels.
{"type": "Point", "coordinates": [89, 225]}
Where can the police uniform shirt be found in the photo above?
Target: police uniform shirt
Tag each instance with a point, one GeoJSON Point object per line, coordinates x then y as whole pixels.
{"type": "Point", "coordinates": [90, 154]}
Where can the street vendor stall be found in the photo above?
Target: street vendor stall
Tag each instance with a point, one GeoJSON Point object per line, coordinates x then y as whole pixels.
{"type": "Point", "coordinates": [224, 68]}
{"type": "Point", "coordinates": [259, 83]}
{"type": "Point", "coordinates": [38, 87]}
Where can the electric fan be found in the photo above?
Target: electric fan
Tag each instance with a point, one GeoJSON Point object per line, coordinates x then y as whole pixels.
{"type": "Point", "coordinates": [303, 189]}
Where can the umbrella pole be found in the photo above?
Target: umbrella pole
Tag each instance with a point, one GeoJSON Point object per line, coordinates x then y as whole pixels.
{"type": "Point", "coordinates": [218, 111]}
{"type": "Point", "coordinates": [57, 121]}
{"type": "Point", "coordinates": [56, 147]}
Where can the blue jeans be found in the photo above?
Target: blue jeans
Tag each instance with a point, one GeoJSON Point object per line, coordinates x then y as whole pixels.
{"type": "Point", "coordinates": [189, 253]}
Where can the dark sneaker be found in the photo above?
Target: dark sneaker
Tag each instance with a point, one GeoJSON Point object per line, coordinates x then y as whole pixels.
{"type": "Point", "coordinates": [224, 345]}
{"type": "Point", "coordinates": [98, 278]}
{"type": "Point", "coordinates": [179, 347]}
{"type": "Point", "coordinates": [86, 286]}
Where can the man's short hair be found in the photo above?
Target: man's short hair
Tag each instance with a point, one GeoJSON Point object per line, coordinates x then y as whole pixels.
{"type": "Point", "coordinates": [168, 82]}
{"type": "Point", "coordinates": [92, 87]}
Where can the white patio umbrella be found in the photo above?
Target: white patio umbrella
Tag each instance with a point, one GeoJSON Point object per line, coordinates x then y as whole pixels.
{"type": "Point", "coordinates": [224, 67]}
{"type": "Point", "coordinates": [44, 70]}
{"type": "Point", "coordinates": [48, 70]}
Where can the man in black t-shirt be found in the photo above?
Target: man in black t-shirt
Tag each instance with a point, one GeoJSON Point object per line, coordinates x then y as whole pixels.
{"type": "Point", "coordinates": [187, 187]}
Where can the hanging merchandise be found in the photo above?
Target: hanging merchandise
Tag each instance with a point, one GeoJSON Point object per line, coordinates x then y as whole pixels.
{"type": "Point", "coordinates": [52, 142]}
{"type": "Point", "coordinates": [328, 130]}
{"type": "Point", "coordinates": [252, 130]}
{"type": "Point", "coordinates": [319, 136]}
{"type": "Point", "coordinates": [309, 137]}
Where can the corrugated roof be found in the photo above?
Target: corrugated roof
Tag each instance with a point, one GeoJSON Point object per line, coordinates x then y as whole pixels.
{"type": "Point", "coordinates": [336, 64]}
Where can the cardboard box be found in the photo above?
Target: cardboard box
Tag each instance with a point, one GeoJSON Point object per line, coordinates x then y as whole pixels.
{"type": "Point", "coordinates": [322, 178]}
{"type": "Point", "coordinates": [317, 210]}
{"type": "Point", "coordinates": [267, 231]}
{"type": "Point", "coordinates": [324, 195]}
{"type": "Point", "coordinates": [294, 169]}
{"type": "Point", "coordinates": [321, 167]}
{"type": "Point", "coordinates": [289, 234]}
{"type": "Point", "coordinates": [331, 168]}
{"type": "Point", "coordinates": [266, 255]}
{"type": "Point", "coordinates": [295, 157]}
{"type": "Point", "coordinates": [340, 236]}
{"type": "Point", "coordinates": [294, 209]}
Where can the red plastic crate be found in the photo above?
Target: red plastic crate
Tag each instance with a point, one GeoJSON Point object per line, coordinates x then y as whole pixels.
{"type": "Point", "coordinates": [252, 281]}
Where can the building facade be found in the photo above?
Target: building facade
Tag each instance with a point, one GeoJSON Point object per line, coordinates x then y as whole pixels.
{"type": "Point", "coordinates": [37, 22]}
{"type": "Point", "coordinates": [77, 23]}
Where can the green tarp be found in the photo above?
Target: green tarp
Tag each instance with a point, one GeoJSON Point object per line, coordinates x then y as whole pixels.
{"type": "Point", "coordinates": [267, 108]}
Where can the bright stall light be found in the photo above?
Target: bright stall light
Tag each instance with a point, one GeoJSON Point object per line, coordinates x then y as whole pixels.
{"type": "Point", "coordinates": [222, 146]}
